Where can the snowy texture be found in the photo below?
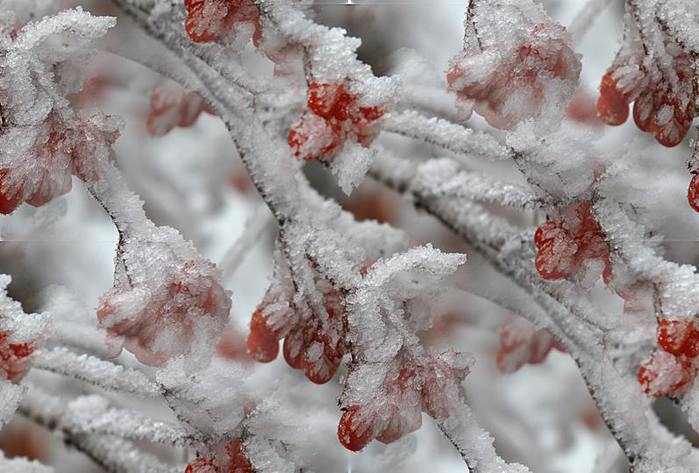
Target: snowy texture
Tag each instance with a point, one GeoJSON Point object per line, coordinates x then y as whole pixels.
{"type": "Point", "coordinates": [360, 333]}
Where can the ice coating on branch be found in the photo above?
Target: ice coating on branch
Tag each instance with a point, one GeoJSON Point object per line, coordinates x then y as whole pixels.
{"type": "Point", "coordinates": [96, 371]}
{"type": "Point", "coordinates": [518, 65]}
{"type": "Point", "coordinates": [653, 71]}
{"type": "Point", "coordinates": [678, 283]}
{"type": "Point", "coordinates": [394, 294]}
{"type": "Point", "coordinates": [561, 163]}
{"type": "Point", "coordinates": [44, 141]}
{"type": "Point", "coordinates": [680, 19]}
{"type": "Point", "coordinates": [423, 85]}
{"type": "Point", "coordinates": [444, 177]}
{"type": "Point", "coordinates": [212, 400]}
{"type": "Point", "coordinates": [93, 414]}
{"type": "Point", "coordinates": [22, 465]}
{"type": "Point", "coordinates": [279, 433]}
{"type": "Point", "coordinates": [10, 397]}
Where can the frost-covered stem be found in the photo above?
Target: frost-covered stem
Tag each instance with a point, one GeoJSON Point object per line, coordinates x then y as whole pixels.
{"type": "Point", "coordinates": [430, 100]}
{"type": "Point", "coordinates": [84, 337]}
{"type": "Point", "coordinates": [445, 178]}
{"type": "Point", "coordinates": [92, 415]}
{"type": "Point", "coordinates": [257, 222]}
{"type": "Point", "coordinates": [446, 135]}
{"type": "Point", "coordinates": [469, 22]}
{"type": "Point", "coordinates": [112, 454]}
{"type": "Point", "coordinates": [633, 7]}
{"type": "Point", "coordinates": [474, 444]}
{"type": "Point", "coordinates": [585, 18]}
{"type": "Point", "coordinates": [95, 371]}
{"type": "Point", "coordinates": [675, 23]}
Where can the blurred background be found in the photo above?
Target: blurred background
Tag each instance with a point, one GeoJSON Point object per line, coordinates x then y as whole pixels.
{"type": "Point", "coordinates": [192, 180]}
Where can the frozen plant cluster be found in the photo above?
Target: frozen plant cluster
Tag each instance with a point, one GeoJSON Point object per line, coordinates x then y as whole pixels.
{"type": "Point", "coordinates": [505, 151]}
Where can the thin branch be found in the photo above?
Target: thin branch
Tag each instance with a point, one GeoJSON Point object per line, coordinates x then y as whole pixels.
{"type": "Point", "coordinates": [95, 371]}
{"type": "Point", "coordinates": [113, 454]}
{"type": "Point", "coordinates": [585, 18]}
{"type": "Point", "coordinates": [257, 222]}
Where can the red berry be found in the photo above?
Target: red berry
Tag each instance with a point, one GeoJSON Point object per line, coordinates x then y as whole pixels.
{"type": "Point", "coordinates": [262, 342]}
{"type": "Point", "coordinates": [565, 246]}
{"type": "Point", "coordinates": [294, 348]}
{"type": "Point", "coordinates": [171, 106]}
{"type": "Point", "coordinates": [400, 422]}
{"type": "Point", "coordinates": [555, 259]}
{"type": "Point", "coordinates": [693, 193]}
{"type": "Point", "coordinates": [334, 117]}
{"type": "Point", "coordinates": [612, 107]}
{"type": "Point", "coordinates": [211, 20]}
{"type": "Point", "coordinates": [355, 431]}
{"type": "Point", "coordinates": [321, 370]}
{"type": "Point", "coordinates": [550, 230]}
{"type": "Point", "coordinates": [14, 358]}
{"type": "Point", "coordinates": [9, 198]}
{"type": "Point", "coordinates": [679, 337]}
{"type": "Point", "coordinates": [666, 375]}
{"type": "Point", "coordinates": [238, 460]}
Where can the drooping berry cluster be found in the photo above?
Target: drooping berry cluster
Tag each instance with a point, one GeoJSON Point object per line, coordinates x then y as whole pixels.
{"type": "Point", "coordinates": [671, 368]}
{"type": "Point", "coordinates": [334, 117]}
{"type": "Point", "coordinates": [14, 358]}
{"type": "Point", "coordinates": [662, 93]}
{"type": "Point", "coordinates": [60, 149]}
{"type": "Point", "coordinates": [513, 85]}
{"type": "Point", "coordinates": [408, 389]}
{"type": "Point", "coordinates": [565, 246]}
{"type": "Point", "coordinates": [171, 106]}
{"type": "Point", "coordinates": [520, 343]}
{"type": "Point", "coordinates": [211, 20]}
{"type": "Point", "coordinates": [228, 457]}
{"type": "Point", "coordinates": [159, 323]}
{"type": "Point", "coordinates": [313, 343]}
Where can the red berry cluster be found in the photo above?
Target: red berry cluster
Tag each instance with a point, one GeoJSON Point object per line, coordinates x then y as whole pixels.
{"type": "Point", "coordinates": [163, 326]}
{"type": "Point", "coordinates": [314, 344]}
{"type": "Point", "coordinates": [334, 117]}
{"type": "Point", "coordinates": [671, 368]}
{"type": "Point", "coordinates": [211, 20]}
{"type": "Point", "coordinates": [14, 358]}
{"type": "Point", "coordinates": [226, 458]}
{"type": "Point", "coordinates": [60, 150]}
{"type": "Point", "coordinates": [521, 343]}
{"type": "Point", "coordinates": [409, 390]}
{"type": "Point", "coordinates": [663, 97]}
{"type": "Point", "coordinates": [565, 245]}
{"type": "Point", "coordinates": [172, 106]}
{"type": "Point", "coordinates": [515, 89]}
